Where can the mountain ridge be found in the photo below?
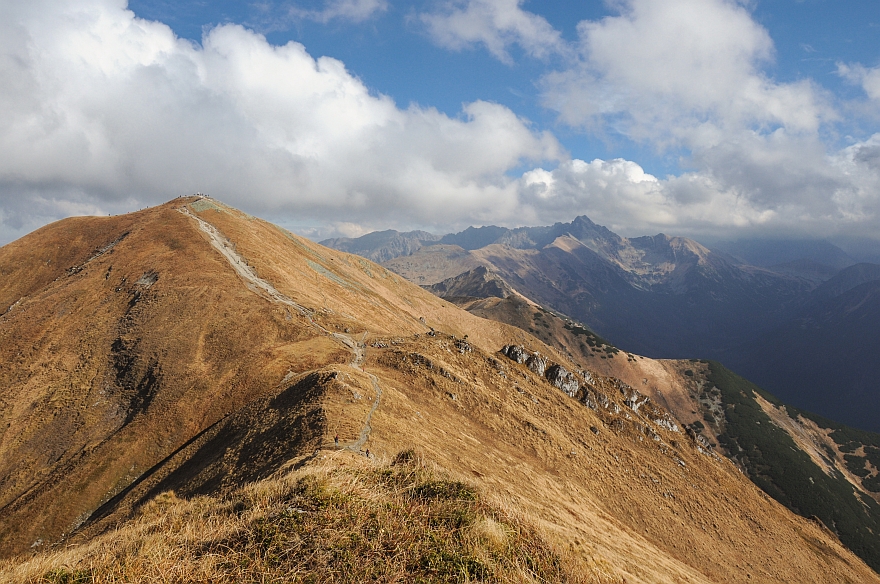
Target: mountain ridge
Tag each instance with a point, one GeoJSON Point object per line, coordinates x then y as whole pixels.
{"type": "Point", "coordinates": [209, 350]}
{"type": "Point", "coordinates": [669, 297]}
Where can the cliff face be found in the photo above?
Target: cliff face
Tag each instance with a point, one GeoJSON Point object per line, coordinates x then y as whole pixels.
{"type": "Point", "coordinates": [193, 348]}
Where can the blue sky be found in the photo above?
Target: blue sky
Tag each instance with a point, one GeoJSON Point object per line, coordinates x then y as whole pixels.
{"type": "Point", "coordinates": [708, 118]}
{"type": "Point", "coordinates": [392, 54]}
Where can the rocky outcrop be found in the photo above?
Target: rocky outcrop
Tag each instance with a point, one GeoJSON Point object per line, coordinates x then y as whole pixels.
{"type": "Point", "coordinates": [666, 421]}
{"type": "Point", "coordinates": [516, 353]}
{"type": "Point", "coordinates": [632, 398]}
{"type": "Point", "coordinates": [560, 378]}
{"type": "Point", "coordinates": [537, 363]}
{"type": "Point", "coordinates": [585, 387]}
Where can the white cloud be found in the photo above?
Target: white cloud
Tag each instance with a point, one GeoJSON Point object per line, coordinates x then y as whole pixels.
{"type": "Point", "coordinates": [680, 73]}
{"type": "Point", "coordinates": [868, 79]}
{"type": "Point", "coordinates": [688, 76]}
{"type": "Point", "coordinates": [351, 10]}
{"type": "Point", "coordinates": [840, 195]}
{"type": "Point", "coordinates": [103, 112]}
{"type": "Point", "coordinates": [684, 76]}
{"type": "Point", "coordinates": [496, 24]}
{"type": "Point", "coordinates": [102, 109]}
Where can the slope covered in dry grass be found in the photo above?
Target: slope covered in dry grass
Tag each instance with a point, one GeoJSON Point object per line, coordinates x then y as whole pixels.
{"type": "Point", "coordinates": [344, 520]}
{"type": "Point", "coordinates": [207, 351]}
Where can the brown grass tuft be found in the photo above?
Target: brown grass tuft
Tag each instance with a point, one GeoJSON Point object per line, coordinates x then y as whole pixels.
{"type": "Point", "coordinates": [403, 522]}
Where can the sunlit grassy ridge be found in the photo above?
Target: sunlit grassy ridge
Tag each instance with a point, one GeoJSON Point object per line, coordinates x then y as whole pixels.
{"type": "Point", "coordinates": [402, 522]}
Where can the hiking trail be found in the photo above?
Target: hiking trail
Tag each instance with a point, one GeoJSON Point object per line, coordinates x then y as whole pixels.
{"type": "Point", "coordinates": [265, 289]}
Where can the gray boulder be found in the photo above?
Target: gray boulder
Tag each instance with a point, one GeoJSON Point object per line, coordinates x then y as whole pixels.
{"type": "Point", "coordinates": [537, 364]}
{"type": "Point", "coordinates": [515, 353]}
{"type": "Point", "coordinates": [560, 378]}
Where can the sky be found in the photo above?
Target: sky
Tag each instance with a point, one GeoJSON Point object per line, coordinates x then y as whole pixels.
{"type": "Point", "coordinates": [705, 118]}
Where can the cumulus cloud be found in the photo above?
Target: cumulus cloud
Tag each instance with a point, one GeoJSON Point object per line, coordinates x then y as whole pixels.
{"type": "Point", "coordinates": [103, 112]}
{"type": "Point", "coordinates": [495, 24]}
{"type": "Point", "coordinates": [689, 76]}
{"type": "Point", "coordinates": [101, 108]}
{"type": "Point", "coordinates": [840, 195]}
{"type": "Point", "coordinates": [680, 73]}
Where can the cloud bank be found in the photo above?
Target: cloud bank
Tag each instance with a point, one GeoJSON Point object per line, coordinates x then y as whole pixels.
{"type": "Point", "coordinates": [102, 108]}
{"type": "Point", "coordinates": [104, 112]}
{"type": "Point", "coordinates": [688, 76]}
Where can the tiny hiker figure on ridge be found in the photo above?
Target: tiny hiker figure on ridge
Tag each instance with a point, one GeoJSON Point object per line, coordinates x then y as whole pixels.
{"type": "Point", "coordinates": [336, 439]}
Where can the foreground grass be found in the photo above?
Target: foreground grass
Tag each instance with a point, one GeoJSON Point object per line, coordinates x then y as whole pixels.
{"type": "Point", "coordinates": [398, 523]}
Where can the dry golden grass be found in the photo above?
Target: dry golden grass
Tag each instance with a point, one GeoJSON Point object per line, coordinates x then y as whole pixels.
{"type": "Point", "coordinates": [344, 521]}
{"type": "Point", "coordinates": [242, 384]}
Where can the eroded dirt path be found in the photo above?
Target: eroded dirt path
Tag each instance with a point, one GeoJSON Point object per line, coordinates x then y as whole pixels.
{"type": "Point", "coordinates": [265, 289]}
{"type": "Point", "coordinates": [358, 351]}
{"type": "Point", "coordinates": [255, 283]}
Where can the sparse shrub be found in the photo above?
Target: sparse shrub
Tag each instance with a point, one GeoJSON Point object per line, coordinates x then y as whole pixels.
{"type": "Point", "coordinates": [872, 483]}
{"type": "Point", "coordinates": [66, 576]}
{"type": "Point", "coordinates": [445, 490]}
{"type": "Point", "coordinates": [407, 456]}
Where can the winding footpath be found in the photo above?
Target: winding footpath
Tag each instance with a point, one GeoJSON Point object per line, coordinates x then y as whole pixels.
{"type": "Point", "coordinates": [263, 288]}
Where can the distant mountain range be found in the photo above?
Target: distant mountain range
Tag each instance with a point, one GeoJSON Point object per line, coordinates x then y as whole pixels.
{"type": "Point", "coordinates": [671, 297]}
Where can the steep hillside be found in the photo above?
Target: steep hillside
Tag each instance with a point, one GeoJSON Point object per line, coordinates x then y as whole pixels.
{"type": "Point", "coordinates": [331, 522]}
{"type": "Point", "coordinates": [825, 359]}
{"type": "Point", "coordinates": [815, 467]}
{"type": "Point", "coordinates": [129, 337]}
{"type": "Point", "coordinates": [206, 351]}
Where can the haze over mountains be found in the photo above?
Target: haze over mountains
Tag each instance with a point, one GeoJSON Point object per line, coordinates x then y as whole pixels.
{"type": "Point", "coordinates": [189, 365]}
{"type": "Point", "coordinates": [671, 297]}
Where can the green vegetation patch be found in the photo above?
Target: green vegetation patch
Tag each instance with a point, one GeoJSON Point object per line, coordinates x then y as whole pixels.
{"type": "Point", "coordinates": [856, 465]}
{"type": "Point", "coordinates": [872, 453]}
{"type": "Point", "coordinates": [593, 340]}
{"type": "Point", "coordinates": [872, 483]}
{"type": "Point", "coordinates": [787, 473]}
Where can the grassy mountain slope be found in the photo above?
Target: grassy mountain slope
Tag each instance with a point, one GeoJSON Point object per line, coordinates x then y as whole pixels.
{"type": "Point", "coordinates": [207, 350]}
{"type": "Point", "coordinates": [815, 467]}
{"type": "Point", "coordinates": [128, 342]}
{"type": "Point", "coordinates": [345, 520]}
